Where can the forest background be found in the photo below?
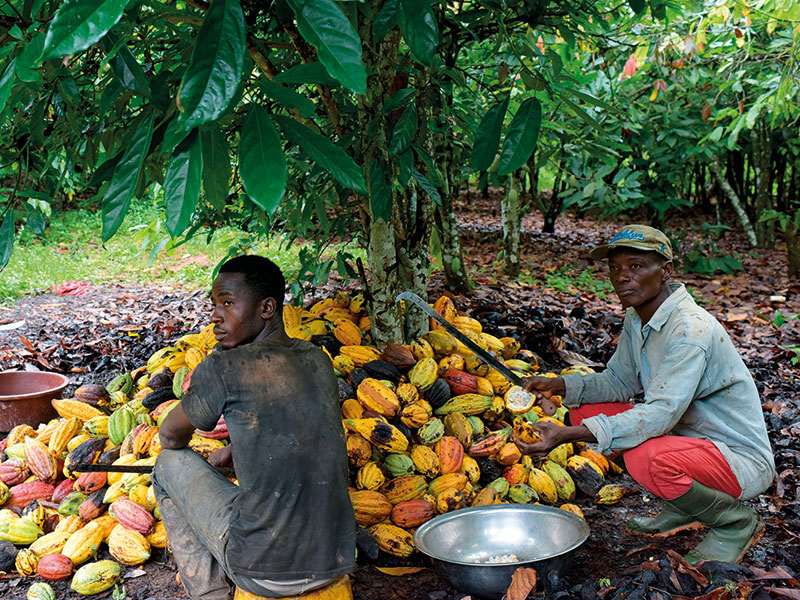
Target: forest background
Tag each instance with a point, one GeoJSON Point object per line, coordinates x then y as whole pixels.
{"type": "Point", "coordinates": [312, 123]}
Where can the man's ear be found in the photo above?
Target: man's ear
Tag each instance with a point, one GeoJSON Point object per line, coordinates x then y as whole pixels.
{"type": "Point", "coordinates": [268, 308]}
{"type": "Point", "coordinates": [667, 270]}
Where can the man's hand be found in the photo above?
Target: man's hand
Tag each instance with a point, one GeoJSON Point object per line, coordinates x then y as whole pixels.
{"type": "Point", "coordinates": [545, 386]}
{"type": "Point", "coordinates": [176, 430]}
{"type": "Point", "coordinates": [550, 436]}
{"type": "Point", "coordinates": [221, 457]}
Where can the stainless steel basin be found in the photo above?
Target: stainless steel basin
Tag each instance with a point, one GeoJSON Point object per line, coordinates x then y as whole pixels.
{"type": "Point", "coordinates": [460, 544]}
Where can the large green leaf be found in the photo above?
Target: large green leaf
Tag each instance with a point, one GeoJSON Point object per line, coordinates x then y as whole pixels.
{"type": "Point", "coordinates": [117, 198]}
{"type": "Point", "coordinates": [125, 66]}
{"type": "Point", "coordinates": [426, 185]}
{"type": "Point", "coordinates": [420, 31]}
{"type": "Point", "coordinates": [211, 81]}
{"type": "Point", "coordinates": [288, 98]}
{"type": "Point", "coordinates": [262, 165]}
{"type": "Point", "coordinates": [521, 137]}
{"type": "Point", "coordinates": [313, 72]}
{"type": "Point", "coordinates": [28, 60]}
{"type": "Point", "coordinates": [6, 238]}
{"type": "Point", "coordinates": [380, 192]}
{"type": "Point", "coordinates": [323, 24]}
{"type": "Point", "coordinates": [182, 183]}
{"type": "Point", "coordinates": [216, 168]}
{"type": "Point", "coordinates": [404, 130]}
{"type": "Point", "coordinates": [325, 153]}
{"type": "Point", "coordinates": [80, 23]}
{"type": "Point", "coordinates": [487, 137]}
{"type": "Point", "coordinates": [385, 21]}
{"type": "Point", "coordinates": [6, 81]}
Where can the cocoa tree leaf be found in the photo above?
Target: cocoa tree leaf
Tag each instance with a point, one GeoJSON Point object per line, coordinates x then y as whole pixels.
{"type": "Point", "coordinates": [262, 165]}
{"type": "Point", "coordinates": [288, 98]}
{"type": "Point", "coordinates": [420, 31]}
{"type": "Point", "coordinates": [212, 78]}
{"type": "Point", "coordinates": [404, 131]}
{"type": "Point", "coordinates": [523, 582]}
{"type": "Point", "coordinates": [487, 137]}
{"type": "Point", "coordinates": [324, 25]}
{"type": "Point", "coordinates": [117, 198]}
{"type": "Point", "coordinates": [324, 152]}
{"type": "Point", "coordinates": [313, 72]}
{"type": "Point", "coordinates": [6, 80]}
{"type": "Point", "coordinates": [521, 137]}
{"type": "Point", "coordinates": [216, 167]}
{"type": "Point", "coordinates": [78, 24]}
{"type": "Point", "coordinates": [6, 238]}
{"type": "Point", "coordinates": [182, 183]}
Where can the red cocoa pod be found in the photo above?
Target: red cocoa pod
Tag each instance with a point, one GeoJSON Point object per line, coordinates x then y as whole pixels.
{"type": "Point", "coordinates": [55, 567]}
{"type": "Point", "coordinates": [412, 513]}
{"type": "Point", "coordinates": [219, 432]}
{"type": "Point", "coordinates": [62, 490]}
{"type": "Point", "coordinates": [133, 516]}
{"type": "Point", "coordinates": [86, 483]}
{"type": "Point", "coordinates": [25, 493]}
{"type": "Point", "coordinates": [13, 471]}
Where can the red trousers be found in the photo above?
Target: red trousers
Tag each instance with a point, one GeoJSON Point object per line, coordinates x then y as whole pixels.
{"type": "Point", "coordinates": [667, 465]}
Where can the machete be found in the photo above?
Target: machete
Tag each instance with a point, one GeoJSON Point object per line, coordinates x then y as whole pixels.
{"type": "Point", "coordinates": [547, 406]}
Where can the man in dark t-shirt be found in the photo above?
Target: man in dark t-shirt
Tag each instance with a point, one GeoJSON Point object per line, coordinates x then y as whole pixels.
{"type": "Point", "coordinates": [288, 527]}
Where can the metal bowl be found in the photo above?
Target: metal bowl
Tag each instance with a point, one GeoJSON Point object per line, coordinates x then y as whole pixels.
{"type": "Point", "coordinates": [462, 542]}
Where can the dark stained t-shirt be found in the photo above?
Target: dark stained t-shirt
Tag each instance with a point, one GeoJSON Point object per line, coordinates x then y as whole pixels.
{"type": "Point", "coordinates": [293, 517]}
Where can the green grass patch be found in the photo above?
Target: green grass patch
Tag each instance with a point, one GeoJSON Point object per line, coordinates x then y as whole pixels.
{"type": "Point", "coordinates": [571, 280]}
{"type": "Point", "coordinates": [140, 253]}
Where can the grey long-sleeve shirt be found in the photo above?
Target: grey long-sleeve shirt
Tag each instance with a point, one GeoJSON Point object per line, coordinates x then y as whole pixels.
{"type": "Point", "coordinates": [694, 382]}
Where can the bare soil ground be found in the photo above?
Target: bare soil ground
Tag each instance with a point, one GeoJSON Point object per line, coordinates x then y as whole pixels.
{"type": "Point", "coordinates": [115, 329]}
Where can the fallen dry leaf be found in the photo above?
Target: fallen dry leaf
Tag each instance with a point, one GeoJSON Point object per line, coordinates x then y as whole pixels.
{"type": "Point", "coordinates": [523, 582]}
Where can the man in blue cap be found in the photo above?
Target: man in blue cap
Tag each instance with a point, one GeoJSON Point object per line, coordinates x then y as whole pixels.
{"type": "Point", "coordinates": [698, 440]}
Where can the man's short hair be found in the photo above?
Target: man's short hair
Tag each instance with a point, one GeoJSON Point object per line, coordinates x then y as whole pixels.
{"type": "Point", "coordinates": [261, 275]}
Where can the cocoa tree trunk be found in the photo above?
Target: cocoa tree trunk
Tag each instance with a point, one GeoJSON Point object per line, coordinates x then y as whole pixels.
{"type": "Point", "coordinates": [445, 153]}
{"type": "Point", "coordinates": [792, 235]}
{"type": "Point", "coordinates": [762, 169]}
{"type": "Point", "coordinates": [510, 209]}
{"type": "Point", "coordinates": [733, 198]}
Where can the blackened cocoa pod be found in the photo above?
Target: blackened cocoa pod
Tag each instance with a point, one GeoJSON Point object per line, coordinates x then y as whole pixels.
{"type": "Point", "coordinates": [93, 506]}
{"type": "Point", "coordinates": [109, 456]}
{"type": "Point", "coordinates": [159, 380]}
{"type": "Point", "coordinates": [157, 397]}
{"type": "Point", "coordinates": [96, 395]}
{"type": "Point", "coordinates": [438, 393]}
{"type": "Point", "coordinates": [380, 369]}
{"type": "Point", "coordinates": [357, 375]}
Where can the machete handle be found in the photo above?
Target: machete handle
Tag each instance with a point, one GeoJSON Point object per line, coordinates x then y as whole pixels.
{"type": "Point", "coordinates": [547, 406]}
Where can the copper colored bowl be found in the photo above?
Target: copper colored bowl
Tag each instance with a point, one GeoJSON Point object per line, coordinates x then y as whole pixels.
{"type": "Point", "coordinates": [25, 397]}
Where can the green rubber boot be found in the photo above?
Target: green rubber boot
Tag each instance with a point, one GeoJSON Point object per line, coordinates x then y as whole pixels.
{"type": "Point", "coordinates": [668, 522]}
{"type": "Point", "coordinates": [733, 527]}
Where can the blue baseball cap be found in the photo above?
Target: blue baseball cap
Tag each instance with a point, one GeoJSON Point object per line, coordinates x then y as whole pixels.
{"type": "Point", "coordinates": [638, 237]}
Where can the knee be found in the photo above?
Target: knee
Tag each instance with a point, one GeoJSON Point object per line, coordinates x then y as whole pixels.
{"type": "Point", "coordinates": [640, 460]}
{"type": "Point", "coordinates": [169, 465]}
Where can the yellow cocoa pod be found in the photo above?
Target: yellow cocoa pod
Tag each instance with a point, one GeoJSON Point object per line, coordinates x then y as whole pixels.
{"type": "Point", "coordinates": [424, 374]}
{"type": "Point", "coordinates": [360, 355]}
{"type": "Point", "coordinates": [370, 477]}
{"type": "Point", "coordinates": [393, 539]}
{"type": "Point", "coordinates": [84, 543]}
{"type": "Point", "coordinates": [128, 546]}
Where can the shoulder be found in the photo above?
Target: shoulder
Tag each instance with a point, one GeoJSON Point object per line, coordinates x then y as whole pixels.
{"type": "Point", "coordinates": [692, 324]}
